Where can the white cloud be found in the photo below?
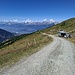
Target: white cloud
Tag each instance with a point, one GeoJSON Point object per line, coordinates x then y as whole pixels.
{"type": "Point", "coordinates": [5, 20]}
{"type": "Point", "coordinates": [28, 20]}
{"type": "Point", "coordinates": [51, 20]}
{"type": "Point", "coordinates": [15, 20]}
{"type": "Point", "coordinates": [45, 19]}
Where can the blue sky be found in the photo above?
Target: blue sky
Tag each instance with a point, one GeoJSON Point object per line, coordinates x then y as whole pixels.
{"type": "Point", "coordinates": [37, 9]}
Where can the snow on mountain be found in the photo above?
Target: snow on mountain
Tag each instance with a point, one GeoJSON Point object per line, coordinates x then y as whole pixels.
{"type": "Point", "coordinates": [44, 19]}
{"type": "Point", "coordinates": [28, 22]}
{"type": "Point", "coordinates": [43, 22]}
{"type": "Point", "coordinates": [51, 20]}
{"type": "Point", "coordinates": [27, 26]}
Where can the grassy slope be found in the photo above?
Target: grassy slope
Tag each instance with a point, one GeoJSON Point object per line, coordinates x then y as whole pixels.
{"type": "Point", "coordinates": [68, 25]}
{"type": "Point", "coordinates": [14, 49]}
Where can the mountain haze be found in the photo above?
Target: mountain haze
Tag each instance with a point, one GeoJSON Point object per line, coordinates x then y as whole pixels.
{"type": "Point", "coordinates": [25, 27]}
{"type": "Point", "coordinates": [25, 45]}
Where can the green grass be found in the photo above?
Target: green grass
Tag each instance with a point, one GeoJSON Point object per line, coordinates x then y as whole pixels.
{"type": "Point", "coordinates": [23, 46]}
{"type": "Point", "coordinates": [68, 26]}
{"type": "Point", "coordinates": [11, 40]}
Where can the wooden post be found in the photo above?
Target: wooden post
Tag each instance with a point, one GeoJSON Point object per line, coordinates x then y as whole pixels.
{"type": "Point", "coordinates": [28, 44]}
{"type": "Point", "coordinates": [34, 41]}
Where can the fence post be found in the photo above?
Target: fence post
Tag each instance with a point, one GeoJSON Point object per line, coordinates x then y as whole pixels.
{"type": "Point", "coordinates": [28, 44]}
{"type": "Point", "coordinates": [34, 41]}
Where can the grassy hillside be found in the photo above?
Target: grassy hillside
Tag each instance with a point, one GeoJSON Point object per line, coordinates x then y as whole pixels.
{"type": "Point", "coordinates": [68, 25]}
{"type": "Point", "coordinates": [14, 49]}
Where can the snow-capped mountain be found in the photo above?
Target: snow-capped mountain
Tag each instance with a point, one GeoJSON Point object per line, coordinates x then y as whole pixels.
{"type": "Point", "coordinates": [43, 22]}
{"type": "Point", "coordinates": [26, 26]}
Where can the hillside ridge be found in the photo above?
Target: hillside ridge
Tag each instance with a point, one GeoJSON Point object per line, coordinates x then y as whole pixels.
{"type": "Point", "coordinates": [26, 45]}
{"type": "Point", "coordinates": [5, 35]}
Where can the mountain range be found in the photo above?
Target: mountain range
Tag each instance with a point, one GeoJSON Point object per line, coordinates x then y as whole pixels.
{"type": "Point", "coordinates": [9, 28]}
{"type": "Point", "coordinates": [25, 27]}
{"type": "Point", "coordinates": [13, 49]}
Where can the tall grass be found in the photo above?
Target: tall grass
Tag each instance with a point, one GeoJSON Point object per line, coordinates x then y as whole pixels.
{"type": "Point", "coordinates": [25, 46]}
{"type": "Point", "coordinates": [67, 25]}
{"type": "Point", "coordinates": [14, 49]}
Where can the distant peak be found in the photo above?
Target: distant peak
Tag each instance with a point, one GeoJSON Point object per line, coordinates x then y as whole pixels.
{"type": "Point", "coordinates": [44, 19]}
{"type": "Point", "coordinates": [51, 20]}
{"type": "Point", "coordinates": [28, 20]}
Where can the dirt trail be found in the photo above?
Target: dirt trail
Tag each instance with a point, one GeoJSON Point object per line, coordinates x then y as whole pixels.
{"type": "Point", "coordinates": [56, 58]}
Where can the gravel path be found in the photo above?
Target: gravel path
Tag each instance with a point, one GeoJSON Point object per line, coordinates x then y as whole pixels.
{"type": "Point", "coordinates": [57, 58]}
